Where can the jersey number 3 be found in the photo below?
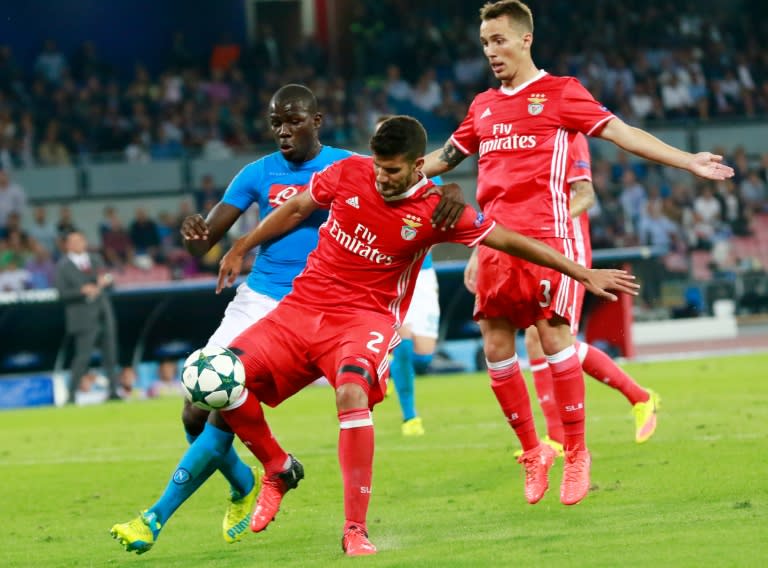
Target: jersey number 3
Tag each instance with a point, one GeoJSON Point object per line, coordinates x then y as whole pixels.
{"type": "Point", "coordinates": [545, 293]}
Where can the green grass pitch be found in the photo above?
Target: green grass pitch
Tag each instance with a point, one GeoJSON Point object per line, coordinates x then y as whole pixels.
{"type": "Point", "coordinates": [695, 495]}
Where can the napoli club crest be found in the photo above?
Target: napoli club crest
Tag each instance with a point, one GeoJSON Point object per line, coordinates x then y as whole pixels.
{"type": "Point", "coordinates": [409, 230]}
{"type": "Point", "coordinates": [536, 104]}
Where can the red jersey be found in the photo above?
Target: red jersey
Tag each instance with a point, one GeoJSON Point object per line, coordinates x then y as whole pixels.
{"type": "Point", "coordinates": [522, 137]}
{"type": "Point", "coordinates": [580, 168]}
{"type": "Point", "coordinates": [370, 250]}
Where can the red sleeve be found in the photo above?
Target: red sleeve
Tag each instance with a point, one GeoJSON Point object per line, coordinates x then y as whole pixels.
{"type": "Point", "coordinates": [322, 184]}
{"type": "Point", "coordinates": [471, 229]}
{"type": "Point", "coordinates": [465, 136]}
{"type": "Point", "coordinates": [579, 166]}
{"type": "Point", "coordinates": [580, 111]}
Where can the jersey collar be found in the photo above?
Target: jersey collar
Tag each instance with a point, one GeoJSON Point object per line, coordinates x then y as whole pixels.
{"type": "Point", "coordinates": [519, 88]}
{"type": "Point", "coordinates": [410, 191]}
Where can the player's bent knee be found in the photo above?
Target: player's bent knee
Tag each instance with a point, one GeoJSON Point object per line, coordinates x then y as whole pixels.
{"type": "Point", "coordinates": [354, 380]}
{"type": "Point", "coordinates": [194, 418]}
{"type": "Point", "coordinates": [351, 395]}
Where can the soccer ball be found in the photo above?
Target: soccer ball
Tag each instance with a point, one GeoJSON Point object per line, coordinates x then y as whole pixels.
{"type": "Point", "coordinates": [213, 378]}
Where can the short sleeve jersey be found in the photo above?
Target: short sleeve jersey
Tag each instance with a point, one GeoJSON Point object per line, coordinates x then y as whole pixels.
{"type": "Point", "coordinates": [580, 168]}
{"type": "Point", "coordinates": [522, 137]}
{"type": "Point", "coordinates": [268, 182]}
{"type": "Point", "coordinates": [370, 250]}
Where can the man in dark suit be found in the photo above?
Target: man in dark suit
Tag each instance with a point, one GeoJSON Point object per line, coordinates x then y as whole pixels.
{"type": "Point", "coordinates": [82, 283]}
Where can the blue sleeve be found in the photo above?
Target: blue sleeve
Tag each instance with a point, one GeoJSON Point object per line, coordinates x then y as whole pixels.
{"type": "Point", "coordinates": [243, 189]}
{"type": "Point", "coordinates": [437, 180]}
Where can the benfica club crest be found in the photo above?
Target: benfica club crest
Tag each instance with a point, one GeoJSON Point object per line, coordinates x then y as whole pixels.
{"type": "Point", "coordinates": [536, 104]}
{"type": "Point", "coordinates": [409, 229]}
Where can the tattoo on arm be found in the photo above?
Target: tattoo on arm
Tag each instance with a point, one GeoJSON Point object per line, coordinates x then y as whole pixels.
{"type": "Point", "coordinates": [451, 155]}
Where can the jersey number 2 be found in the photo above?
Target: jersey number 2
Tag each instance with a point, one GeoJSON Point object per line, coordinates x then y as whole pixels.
{"type": "Point", "coordinates": [377, 338]}
{"type": "Point", "coordinates": [545, 293]}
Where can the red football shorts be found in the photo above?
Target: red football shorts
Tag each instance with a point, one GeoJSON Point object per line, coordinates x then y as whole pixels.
{"type": "Point", "coordinates": [293, 345]}
{"type": "Point", "coordinates": [521, 292]}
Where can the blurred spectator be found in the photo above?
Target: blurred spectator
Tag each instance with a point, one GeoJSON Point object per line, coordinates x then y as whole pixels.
{"type": "Point", "coordinates": [426, 94]}
{"type": "Point", "coordinates": [168, 381]}
{"type": "Point", "coordinates": [732, 206]}
{"type": "Point", "coordinates": [52, 152]}
{"type": "Point", "coordinates": [144, 239]}
{"type": "Point", "coordinates": [51, 63]}
{"type": "Point", "coordinates": [707, 216]}
{"type": "Point", "coordinates": [470, 67]}
{"type": "Point", "coordinates": [12, 198]}
{"type": "Point", "coordinates": [43, 231]}
{"type": "Point", "coordinates": [676, 98]}
{"type": "Point", "coordinates": [14, 277]}
{"type": "Point", "coordinates": [395, 86]}
{"type": "Point", "coordinates": [65, 224]}
{"type": "Point", "coordinates": [127, 385]}
{"type": "Point", "coordinates": [633, 198]}
{"type": "Point", "coordinates": [655, 229]}
{"type": "Point", "coordinates": [137, 150]}
{"type": "Point", "coordinates": [644, 105]}
{"type": "Point", "coordinates": [753, 190]}
{"type": "Point", "coordinates": [116, 245]}
{"type": "Point", "coordinates": [163, 148]}
{"type": "Point", "coordinates": [207, 192]}
{"type": "Point", "coordinates": [41, 268]}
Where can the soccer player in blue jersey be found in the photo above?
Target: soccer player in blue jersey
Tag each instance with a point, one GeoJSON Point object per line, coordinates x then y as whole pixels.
{"type": "Point", "coordinates": [266, 183]}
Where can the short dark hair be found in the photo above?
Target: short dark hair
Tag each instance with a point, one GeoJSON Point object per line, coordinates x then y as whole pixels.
{"type": "Point", "coordinates": [400, 135]}
{"type": "Point", "coordinates": [518, 12]}
{"type": "Point", "coordinates": [295, 92]}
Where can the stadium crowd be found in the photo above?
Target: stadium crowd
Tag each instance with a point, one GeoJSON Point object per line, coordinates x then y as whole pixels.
{"type": "Point", "coordinates": [701, 62]}
{"type": "Point", "coordinates": [704, 61]}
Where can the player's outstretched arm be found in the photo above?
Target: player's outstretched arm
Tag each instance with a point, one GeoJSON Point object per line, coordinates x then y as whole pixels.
{"type": "Point", "coordinates": [277, 223]}
{"type": "Point", "coordinates": [200, 234]}
{"type": "Point", "coordinates": [646, 145]}
{"type": "Point", "coordinates": [442, 160]}
{"type": "Point", "coordinates": [596, 281]}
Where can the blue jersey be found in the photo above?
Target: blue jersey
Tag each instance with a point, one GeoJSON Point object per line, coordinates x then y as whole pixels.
{"type": "Point", "coordinates": [269, 182]}
{"type": "Point", "coordinates": [437, 180]}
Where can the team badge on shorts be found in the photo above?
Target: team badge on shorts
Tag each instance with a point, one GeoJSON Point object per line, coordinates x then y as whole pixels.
{"type": "Point", "coordinates": [409, 229]}
{"type": "Point", "coordinates": [536, 104]}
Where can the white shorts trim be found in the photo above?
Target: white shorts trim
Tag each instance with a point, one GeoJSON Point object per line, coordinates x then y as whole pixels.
{"type": "Point", "coordinates": [245, 309]}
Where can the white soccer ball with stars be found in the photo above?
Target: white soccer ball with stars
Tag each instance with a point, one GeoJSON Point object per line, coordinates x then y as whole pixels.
{"type": "Point", "coordinates": [213, 377]}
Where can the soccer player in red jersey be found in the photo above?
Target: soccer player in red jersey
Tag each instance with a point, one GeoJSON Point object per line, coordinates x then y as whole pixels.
{"type": "Point", "coordinates": [342, 316]}
{"type": "Point", "coordinates": [521, 133]}
{"type": "Point", "coordinates": [594, 361]}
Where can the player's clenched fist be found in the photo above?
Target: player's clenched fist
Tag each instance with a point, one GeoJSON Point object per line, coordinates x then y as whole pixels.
{"type": "Point", "coordinates": [194, 228]}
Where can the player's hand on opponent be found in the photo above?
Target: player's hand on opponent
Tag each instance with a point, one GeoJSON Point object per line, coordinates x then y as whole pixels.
{"type": "Point", "coordinates": [194, 228]}
{"type": "Point", "coordinates": [710, 166]}
{"type": "Point", "coordinates": [230, 266]}
{"type": "Point", "coordinates": [599, 281]}
{"type": "Point", "coordinates": [449, 210]}
{"type": "Point", "coordinates": [470, 273]}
